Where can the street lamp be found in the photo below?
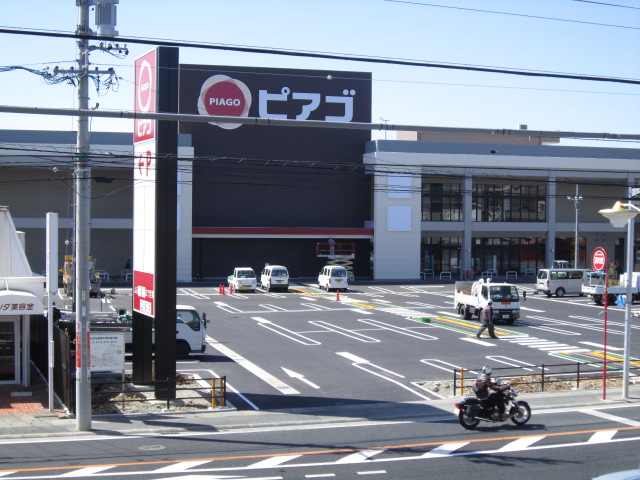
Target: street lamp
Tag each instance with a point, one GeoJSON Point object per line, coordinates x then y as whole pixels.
{"type": "Point", "coordinates": [576, 201]}
{"type": "Point", "coordinates": [619, 215]}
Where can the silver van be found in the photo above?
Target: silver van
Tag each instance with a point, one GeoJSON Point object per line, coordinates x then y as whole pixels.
{"type": "Point", "coordinates": [274, 277]}
{"type": "Point", "coordinates": [562, 281]}
{"type": "Point", "coordinates": [333, 276]}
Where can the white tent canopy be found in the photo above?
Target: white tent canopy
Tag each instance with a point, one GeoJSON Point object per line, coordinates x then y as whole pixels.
{"type": "Point", "coordinates": [13, 260]}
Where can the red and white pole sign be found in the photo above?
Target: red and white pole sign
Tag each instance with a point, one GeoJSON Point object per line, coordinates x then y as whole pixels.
{"type": "Point", "coordinates": [144, 187]}
{"type": "Point", "coordinates": [599, 259]}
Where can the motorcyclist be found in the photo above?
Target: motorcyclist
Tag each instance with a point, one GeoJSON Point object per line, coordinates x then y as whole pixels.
{"type": "Point", "coordinates": [495, 399]}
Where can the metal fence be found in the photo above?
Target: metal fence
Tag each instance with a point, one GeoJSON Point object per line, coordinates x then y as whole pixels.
{"type": "Point", "coordinates": [540, 378]}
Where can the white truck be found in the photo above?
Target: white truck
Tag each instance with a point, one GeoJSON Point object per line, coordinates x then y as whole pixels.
{"type": "Point", "coordinates": [190, 328]}
{"type": "Point", "coordinates": [243, 279]}
{"type": "Point", "coordinates": [597, 291]}
{"type": "Point", "coordinates": [471, 297]}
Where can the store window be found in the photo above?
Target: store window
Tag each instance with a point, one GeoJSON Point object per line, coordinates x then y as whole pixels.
{"type": "Point", "coordinates": [442, 254]}
{"type": "Point", "coordinates": [442, 202]}
{"type": "Point", "coordinates": [502, 254]}
{"type": "Point", "coordinates": [509, 203]}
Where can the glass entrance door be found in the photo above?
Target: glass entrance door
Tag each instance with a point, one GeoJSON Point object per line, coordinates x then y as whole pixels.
{"type": "Point", "coordinates": [8, 357]}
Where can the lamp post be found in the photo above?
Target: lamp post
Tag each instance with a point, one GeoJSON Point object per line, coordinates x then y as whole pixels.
{"type": "Point", "coordinates": [619, 215]}
{"type": "Point", "coordinates": [576, 199]}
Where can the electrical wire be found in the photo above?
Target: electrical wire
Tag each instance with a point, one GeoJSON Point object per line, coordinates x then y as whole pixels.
{"type": "Point", "coordinates": [329, 56]}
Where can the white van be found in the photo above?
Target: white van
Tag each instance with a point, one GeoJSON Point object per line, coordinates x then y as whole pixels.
{"type": "Point", "coordinates": [562, 281]}
{"type": "Point", "coordinates": [333, 276]}
{"type": "Point", "coordinates": [274, 276]}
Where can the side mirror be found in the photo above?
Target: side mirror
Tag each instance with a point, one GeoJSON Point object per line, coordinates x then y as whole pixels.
{"type": "Point", "coordinates": [204, 320]}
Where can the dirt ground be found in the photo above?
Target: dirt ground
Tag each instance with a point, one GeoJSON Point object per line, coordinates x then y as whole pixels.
{"type": "Point", "coordinates": [524, 385]}
{"type": "Point", "coordinates": [192, 394]}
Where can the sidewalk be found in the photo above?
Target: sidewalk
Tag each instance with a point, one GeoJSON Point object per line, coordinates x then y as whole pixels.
{"type": "Point", "coordinates": [44, 423]}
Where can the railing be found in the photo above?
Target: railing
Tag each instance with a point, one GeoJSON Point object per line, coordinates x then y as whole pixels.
{"type": "Point", "coordinates": [196, 392]}
{"type": "Point", "coordinates": [545, 377]}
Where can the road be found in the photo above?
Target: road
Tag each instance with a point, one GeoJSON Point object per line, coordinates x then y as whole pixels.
{"type": "Point", "coordinates": [557, 444]}
{"type": "Point", "coordinates": [377, 343]}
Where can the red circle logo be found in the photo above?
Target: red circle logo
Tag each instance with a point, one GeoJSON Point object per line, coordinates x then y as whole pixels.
{"type": "Point", "coordinates": [599, 259]}
{"type": "Point", "coordinates": [224, 96]}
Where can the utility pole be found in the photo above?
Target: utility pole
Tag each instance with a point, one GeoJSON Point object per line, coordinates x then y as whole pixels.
{"type": "Point", "coordinates": [105, 20]}
{"type": "Point", "coordinates": [82, 174]}
{"type": "Point", "coordinates": [576, 199]}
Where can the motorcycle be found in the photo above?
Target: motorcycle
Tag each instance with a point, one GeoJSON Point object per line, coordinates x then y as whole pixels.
{"type": "Point", "coordinates": [471, 411]}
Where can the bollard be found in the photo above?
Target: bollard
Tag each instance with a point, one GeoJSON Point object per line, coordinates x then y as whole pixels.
{"type": "Point", "coordinates": [337, 295]}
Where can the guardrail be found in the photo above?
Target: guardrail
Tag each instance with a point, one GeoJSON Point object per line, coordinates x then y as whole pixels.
{"type": "Point", "coordinates": [196, 392]}
{"type": "Point", "coordinates": [545, 377]}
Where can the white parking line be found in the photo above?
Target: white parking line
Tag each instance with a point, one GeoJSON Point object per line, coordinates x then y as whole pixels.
{"type": "Point", "coordinates": [253, 368]}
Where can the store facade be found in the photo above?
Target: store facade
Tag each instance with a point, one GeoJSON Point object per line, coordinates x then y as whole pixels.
{"type": "Point", "coordinates": [467, 209]}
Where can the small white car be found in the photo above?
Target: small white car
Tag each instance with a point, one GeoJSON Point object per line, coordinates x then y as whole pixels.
{"type": "Point", "coordinates": [333, 277]}
{"type": "Point", "coordinates": [274, 276]}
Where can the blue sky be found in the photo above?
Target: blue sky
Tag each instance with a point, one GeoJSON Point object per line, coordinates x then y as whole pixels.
{"type": "Point", "coordinates": [577, 37]}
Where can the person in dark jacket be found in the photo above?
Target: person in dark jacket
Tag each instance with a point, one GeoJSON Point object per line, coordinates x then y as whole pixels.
{"type": "Point", "coordinates": [494, 399]}
{"type": "Point", "coordinates": [487, 320]}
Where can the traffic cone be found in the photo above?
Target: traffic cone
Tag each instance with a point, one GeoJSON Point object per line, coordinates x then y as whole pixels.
{"type": "Point", "coordinates": [221, 289]}
{"type": "Point", "coordinates": [337, 295]}
{"type": "Point", "coordinates": [230, 289]}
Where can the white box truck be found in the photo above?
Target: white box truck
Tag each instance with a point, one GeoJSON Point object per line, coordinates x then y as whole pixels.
{"type": "Point", "coordinates": [471, 297]}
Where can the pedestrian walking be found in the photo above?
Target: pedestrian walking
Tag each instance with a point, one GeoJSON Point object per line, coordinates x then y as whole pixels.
{"type": "Point", "coordinates": [487, 320]}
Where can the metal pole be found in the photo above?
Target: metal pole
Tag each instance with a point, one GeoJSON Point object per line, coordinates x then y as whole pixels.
{"type": "Point", "coordinates": [576, 201]}
{"type": "Point", "coordinates": [627, 310]}
{"type": "Point", "coordinates": [52, 289]}
{"type": "Point", "coordinates": [82, 229]}
{"type": "Point", "coordinates": [577, 246]}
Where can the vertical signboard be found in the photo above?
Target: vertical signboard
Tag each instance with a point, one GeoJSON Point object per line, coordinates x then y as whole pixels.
{"type": "Point", "coordinates": [154, 220]}
{"type": "Point", "coordinates": [144, 188]}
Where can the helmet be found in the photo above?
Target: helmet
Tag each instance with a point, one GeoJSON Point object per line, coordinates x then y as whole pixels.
{"type": "Point", "coordinates": [490, 302]}
{"type": "Point", "coordinates": [486, 370]}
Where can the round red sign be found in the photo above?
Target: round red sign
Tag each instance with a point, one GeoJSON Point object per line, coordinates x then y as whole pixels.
{"type": "Point", "coordinates": [599, 259]}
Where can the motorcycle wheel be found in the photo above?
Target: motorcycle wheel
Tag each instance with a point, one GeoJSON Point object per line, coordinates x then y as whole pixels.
{"type": "Point", "coordinates": [467, 421]}
{"type": "Point", "coordinates": [522, 414]}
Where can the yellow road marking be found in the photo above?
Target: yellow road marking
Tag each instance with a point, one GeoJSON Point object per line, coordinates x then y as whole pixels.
{"type": "Point", "coordinates": [616, 358]}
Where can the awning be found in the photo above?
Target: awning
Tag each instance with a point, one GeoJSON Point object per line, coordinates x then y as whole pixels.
{"type": "Point", "coordinates": [13, 302]}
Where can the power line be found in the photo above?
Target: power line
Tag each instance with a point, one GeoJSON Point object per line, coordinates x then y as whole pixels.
{"type": "Point", "coordinates": [536, 17]}
{"type": "Point", "coordinates": [327, 56]}
{"type": "Point", "coordinates": [607, 4]}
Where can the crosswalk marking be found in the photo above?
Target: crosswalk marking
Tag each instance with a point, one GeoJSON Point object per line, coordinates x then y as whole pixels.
{"type": "Point", "coordinates": [82, 472]}
{"type": "Point", "coordinates": [181, 466]}
{"type": "Point", "coordinates": [273, 461]}
{"type": "Point", "coordinates": [444, 450]}
{"type": "Point", "coordinates": [358, 457]}
{"type": "Point", "coordinates": [519, 444]}
{"type": "Point", "coordinates": [602, 437]}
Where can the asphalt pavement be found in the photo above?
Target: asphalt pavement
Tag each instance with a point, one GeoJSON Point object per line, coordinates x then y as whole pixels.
{"type": "Point", "coordinates": [46, 424]}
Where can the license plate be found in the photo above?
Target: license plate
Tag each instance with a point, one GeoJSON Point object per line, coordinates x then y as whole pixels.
{"type": "Point", "coordinates": [278, 281]}
{"type": "Point", "coordinates": [456, 411]}
{"type": "Point", "coordinates": [338, 281]}
{"type": "Point", "coordinates": [505, 316]}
